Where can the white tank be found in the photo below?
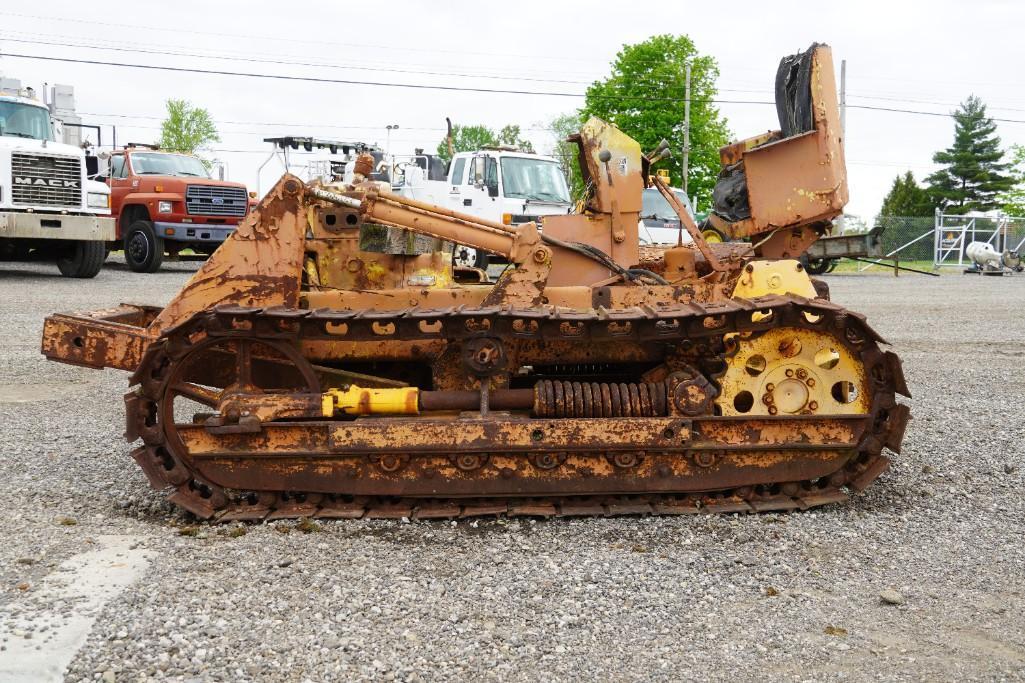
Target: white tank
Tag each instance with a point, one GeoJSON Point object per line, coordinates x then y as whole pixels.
{"type": "Point", "coordinates": [984, 255]}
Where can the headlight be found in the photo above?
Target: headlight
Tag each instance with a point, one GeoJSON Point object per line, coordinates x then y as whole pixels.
{"type": "Point", "coordinates": [164, 207]}
{"type": "Point", "coordinates": [98, 200]}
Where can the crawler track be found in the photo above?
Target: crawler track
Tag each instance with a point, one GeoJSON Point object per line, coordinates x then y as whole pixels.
{"type": "Point", "coordinates": [666, 477]}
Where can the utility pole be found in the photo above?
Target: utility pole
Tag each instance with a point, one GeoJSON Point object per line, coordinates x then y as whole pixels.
{"type": "Point", "coordinates": [843, 99]}
{"type": "Point", "coordinates": [390, 127]}
{"type": "Point", "coordinates": [388, 155]}
{"type": "Point", "coordinates": [686, 129]}
{"type": "Point", "coordinates": [842, 219]}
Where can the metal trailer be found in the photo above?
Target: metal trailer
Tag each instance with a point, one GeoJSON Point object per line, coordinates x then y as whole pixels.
{"type": "Point", "coordinates": [823, 254]}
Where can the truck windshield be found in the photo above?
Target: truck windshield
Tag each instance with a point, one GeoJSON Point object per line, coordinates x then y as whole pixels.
{"type": "Point", "coordinates": [536, 179]}
{"type": "Point", "coordinates": [654, 205]}
{"type": "Point", "coordinates": [144, 163]}
{"type": "Point", "coordinates": [24, 121]}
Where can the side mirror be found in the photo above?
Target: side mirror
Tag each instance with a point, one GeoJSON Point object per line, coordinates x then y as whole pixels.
{"type": "Point", "coordinates": [92, 166]}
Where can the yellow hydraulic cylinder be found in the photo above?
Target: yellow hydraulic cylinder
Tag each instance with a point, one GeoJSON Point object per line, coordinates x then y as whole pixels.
{"type": "Point", "coordinates": [356, 400]}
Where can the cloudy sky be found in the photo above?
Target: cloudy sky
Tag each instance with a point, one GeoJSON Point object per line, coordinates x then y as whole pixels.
{"type": "Point", "coordinates": [920, 56]}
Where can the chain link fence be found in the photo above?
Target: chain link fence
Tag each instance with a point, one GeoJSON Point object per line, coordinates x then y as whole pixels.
{"type": "Point", "coordinates": [943, 238]}
{"type": "Point", "coordinates": [908, 238]}
{"type": "Point", "coordinates": [955, 233]}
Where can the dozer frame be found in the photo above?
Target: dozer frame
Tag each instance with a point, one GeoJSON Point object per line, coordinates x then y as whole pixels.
{"type": "Point", "coordinates": [341, 368]}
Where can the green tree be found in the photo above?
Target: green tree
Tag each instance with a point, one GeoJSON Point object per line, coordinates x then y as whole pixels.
{"type": "Point", "coordinates": [907, 198]}
{"type": "Point", "coordinates": [469, 139]}
{"type": "Point", "coordinates": [566, 152]}
{"type": "Point", "coordinates": [974, 176]}
{"type": "Point", "coordinates": [510, 135]}
{"type": "Point", "coordinates": [187, 129]}
{"type": "Point", "coordinates": [644, 97]}
{"type": "Point", "coordinates": [1014, 199]}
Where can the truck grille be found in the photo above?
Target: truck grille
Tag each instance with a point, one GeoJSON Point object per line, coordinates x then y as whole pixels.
{"type": "Point", "coordinates": [41, 180]}
{"type": "Point", "coordinates": [210, 200]}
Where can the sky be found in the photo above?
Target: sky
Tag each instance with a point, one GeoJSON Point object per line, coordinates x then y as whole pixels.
{"type": "Point", "coordinates": [920, 56]}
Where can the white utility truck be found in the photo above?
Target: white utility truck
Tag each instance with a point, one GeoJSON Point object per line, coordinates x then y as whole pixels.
{"type": "Point", "coordinates": [500, 184]}
{"type": "Point", "coordinates": [49, 208]}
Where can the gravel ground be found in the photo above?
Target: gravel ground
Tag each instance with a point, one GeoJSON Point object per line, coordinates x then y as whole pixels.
{"type": "Point", "coordinates": [784, 596]}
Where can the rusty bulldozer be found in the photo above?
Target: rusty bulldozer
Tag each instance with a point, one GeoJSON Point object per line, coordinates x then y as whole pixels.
{"type": "Point", "coordinates": [327, 361]}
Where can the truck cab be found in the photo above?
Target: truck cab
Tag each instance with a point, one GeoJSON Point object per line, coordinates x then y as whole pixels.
{"type": "Point", "coordinates": [165, 202]}
{"type": "Point", "coordinates": [49, 208]}
{"type": "Point", "coordinates": [498, 184]}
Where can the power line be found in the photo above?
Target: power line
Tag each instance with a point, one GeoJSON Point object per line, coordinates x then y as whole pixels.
{"type": "Point", "coordinates": [287, 124]}
{"type": "Point", "coordinates": [271, 123]}
{"type": "Point", "coordinates": [922, 113]}
{"type": "Point", "coordinates": [914, 101]}
{"type": "Point", "coordinates": [284, 62]}
{"type": "Point", "coordinates": [405, 47]}
{"type": "Point", "coordinates": [646, 84]}
{"type": "Point", "coordinates": [304, 41]}
{"type": "Point", "coordinates": [334, 44]}
{"type": "Point", "coordinates": [421, 86]}
{"type": "Point", "coordinates": [259, 60]}
{"type": "Point", "coordinates": [341, 81]}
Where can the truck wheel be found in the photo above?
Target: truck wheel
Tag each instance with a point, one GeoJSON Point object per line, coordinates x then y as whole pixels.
{"type": "Point", "coordinates": [144, 251]}
{"type": "Point", "coordinates": [818, 266]}
{"type": "Point", "coordinates": [713, 236]}
{"type": "Point", "coordinates": [469, 257]}
{"type": "Point", "coordinates": [83, 260]}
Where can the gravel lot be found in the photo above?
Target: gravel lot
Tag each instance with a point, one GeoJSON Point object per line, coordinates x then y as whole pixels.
{"type": "Point", "coordinates": [777, 596]}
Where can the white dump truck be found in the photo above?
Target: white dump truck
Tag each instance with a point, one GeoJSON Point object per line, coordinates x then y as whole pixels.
{"type": "Point", "coordinates": [49, 208]}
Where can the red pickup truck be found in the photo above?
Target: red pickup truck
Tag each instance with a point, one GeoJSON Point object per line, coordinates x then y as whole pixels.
{"type": "Point", "coordinates": [166, 202]}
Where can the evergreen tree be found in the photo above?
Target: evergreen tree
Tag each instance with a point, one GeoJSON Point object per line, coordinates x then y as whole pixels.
{"type": "Point", "coordinates": [907, 198]}
{"type": "Point", "coordinates": [974, 176]}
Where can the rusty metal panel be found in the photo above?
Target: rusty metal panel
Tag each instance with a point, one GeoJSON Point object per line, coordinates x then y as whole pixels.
{"type": "Point", "coordinates": [789, 184]}
{"type": "Point", "coordinates": [260, 264]}
{"type": "Point", "coordinates": [801, 179]}
{"type": "Point", "coordinates": [111, 338]}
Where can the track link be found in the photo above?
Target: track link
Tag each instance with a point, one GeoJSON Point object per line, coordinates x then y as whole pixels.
{"type": "Point", "coordinates": [692, 324]}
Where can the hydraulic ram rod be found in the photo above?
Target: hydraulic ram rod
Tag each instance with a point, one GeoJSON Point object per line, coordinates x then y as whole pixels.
{"type": "Point", "coordinates": [429, 220]}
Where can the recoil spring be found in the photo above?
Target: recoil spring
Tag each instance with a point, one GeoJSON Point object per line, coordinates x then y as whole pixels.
{"type": "Point", "coordinates": [560, 398]}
